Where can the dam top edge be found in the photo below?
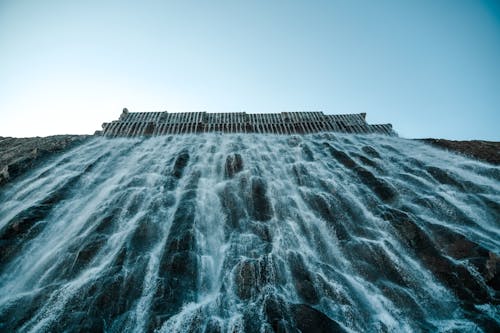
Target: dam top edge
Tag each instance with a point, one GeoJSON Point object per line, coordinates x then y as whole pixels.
{"type": "Point", "coordinates": [132, 124]}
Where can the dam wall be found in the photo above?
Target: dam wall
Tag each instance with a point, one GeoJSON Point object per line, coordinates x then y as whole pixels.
{"type": "Point", "coordinates": [251, 233]}
{"type": "Point", "coordinates": [132, 124]}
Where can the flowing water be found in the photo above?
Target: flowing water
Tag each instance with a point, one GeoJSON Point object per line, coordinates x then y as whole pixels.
{"type": "Point", "coordinates": [252, 233]}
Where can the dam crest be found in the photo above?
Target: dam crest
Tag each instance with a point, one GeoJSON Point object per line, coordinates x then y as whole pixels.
{"type": "Point", "coordinates": [133, 124]}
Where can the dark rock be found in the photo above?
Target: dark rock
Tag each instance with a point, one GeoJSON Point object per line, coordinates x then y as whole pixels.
{"type": "Point", "coordinates": [459, 247]}
{"type": "Point", "coordinates": [145, 235]}
{"type": "Point", "coordinates": [322, 205]}
{"type": "Point", "coordinates": [293, 141]}
{"type": "Point", "coordinates": [232, 206]}
{"type": "Point", "coordinates": [213, 326]}
{"type": "Point", "coordinates": [300, 174]}
{"type": "Point", "coordinates": [382, 189]}
{"type": "Point", "coordinates": [18, 155]}
{"type": "Point", "coordinates": [307, 153]}
{"type": "Point", "coordinates": [252, 275]}
{"type": "Point", "coordinates": [487, 151]}
{"type": "Point", "coordinates": [246, 277]}
{"type": "Point", "coordinates": [366, 161]}
{"type": "Point", "coordinates": [277, 314]}
{"type": "Point", "coordinates": [340, 156]}
{"type": "Point", "coordinates": [371, 151]}
{"type": "Point", "coordinates": [261, 208]}
{"type": "Point", "coordinates": [20, 311]}
{"type": "Point", "coordinates": [455, 275]}
{"type": "Point", "coordinates": [180, 163]}
{"type": "Point", "coordinates": [302, 279]}
{"type": "Point", "coordinates": [310, 320]}
{"type": "Point", "coordinates": [89, 249]}
{"type": "Point", "coordinates": [234, 164]}
{"type": "Point", "coordinates": [443, 176]}
{"type": "Point", "coordinates": [178, 271]}
{"type": "Point", "coordinates": [262, 231]}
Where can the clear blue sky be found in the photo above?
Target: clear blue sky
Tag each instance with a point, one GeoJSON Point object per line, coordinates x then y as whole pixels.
{"type": "Point", "coordinates": [430, 67]}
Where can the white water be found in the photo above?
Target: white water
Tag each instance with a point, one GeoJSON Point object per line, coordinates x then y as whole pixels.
{"type": "Point", "coordinates": [111, 236]}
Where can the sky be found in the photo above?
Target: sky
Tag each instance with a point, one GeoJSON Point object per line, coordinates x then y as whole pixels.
{"type": "Point", "coordinates": [429, 67]}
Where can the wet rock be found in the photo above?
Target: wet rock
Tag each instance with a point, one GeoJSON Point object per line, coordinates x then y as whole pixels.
{"type": "Point", "coordinates": [320, 205]}
{"type": "Point", "coordinates": [340, 156]}
{"type": "Point", "coordinates": [90, 248]}
{"type": "Point", "coordinates": [443, 176]}
{"type": "Point", "coordinates": [145, 235]}
{"type": "Point", "coordinates": [366, 161]}
{"type": "Point", "coordinates": [182, 240]}
{"type": "Point", "coordinates": [25, 226]}
{"type": "Point", "coordinates": [246, 277]}
{"type": "Point", "coordinates": [459, 247]}
{"type": "Point", "coordinates": [180, 164]}
{"type": "Point", "coordinates": [308, 319]}
{"type": "Point", "coordinates": [402, 298]}
{"type": "Point", "coordinates": [277, 314]}
{"type": "Point", "coordinates": [456, 245]}
{"type": "Point", "coordinates": [382, 189]}
{"type": "Point", "coordinates": [251, 321]}
{"type": "Point", "coordinates": [251, 276]}
{"type": "Point", "coordinates": [335, 294]}
{"type": "Point", "coordinates": [23, 309]}
{"type": "Point", "coordinates": [307, 153]}
{"type": "Point", "coordinates": [213, 326]}
{"type": "Point", "coordinates": [455, 275]}
{"type": "Point", "coordinates": [444, 209]}
{"type": "Point", "coordinates": [375, 264]}
{"type": "Point", "coordinates": [232, 206]}
{"type": "Point", "coordinates": [234, 164]}
{"type": "Point", "coordinates": [261, 208]}
{"type": "Point", "coordinates": [30, 222]}
{"type": "Point", "coordinates": [250, 267]}
{"type": "Point", "coordinates": [178, 271]}
{"type": "Point", "coordinates": [491, 272]}
{"type": "Point", "coordinates": [293, 141]}
{"type": "Point", "coordinates": [302, 279]}
{"type": "Point", "coordinates": [101, 303]}
{"type": "Point", "coordinates": [487, 151]}
{"type": "Point", "coordinates": [76, 258]}
{"type": "Point", "coordinates": [301, 175]}
{"type": "Point", "coordinates": [371, 151]}
{"type": "Point", "coordinates": [262, 231]}
{"type": "Point", "coordinates": [19, 155]}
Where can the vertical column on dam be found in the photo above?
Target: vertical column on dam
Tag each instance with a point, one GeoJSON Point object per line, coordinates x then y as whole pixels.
{"type": "Point", "coordinates": [131, 124]}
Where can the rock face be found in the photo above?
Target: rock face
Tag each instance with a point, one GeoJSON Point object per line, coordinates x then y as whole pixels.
{"type": "Point", "coordinates": [487, 151]}
{"type": "Point", "coordinates": [18, 155]}
{"type": "Point", "coordinates": [248, 233]}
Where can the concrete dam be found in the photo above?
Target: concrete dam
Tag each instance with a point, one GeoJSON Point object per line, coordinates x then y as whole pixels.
{"type": "Point", "coordinates": [288, 222]}
{"type": "Point", "coordinates": [163, 123]}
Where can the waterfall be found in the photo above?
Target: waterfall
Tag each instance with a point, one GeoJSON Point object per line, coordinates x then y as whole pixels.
{"type": "Point", "coordinates": [252, 233]}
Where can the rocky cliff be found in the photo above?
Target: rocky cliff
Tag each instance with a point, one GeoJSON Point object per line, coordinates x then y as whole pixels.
{"type": "Point", "coordinates": [18, 155]}
{"type": "Point", "coordinates": [487, 151]}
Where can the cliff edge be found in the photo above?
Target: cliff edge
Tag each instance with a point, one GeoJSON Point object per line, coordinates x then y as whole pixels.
{"type": "Point", "coordinates": [487, 151]}
{"type": "Point", "coordinates": [18, 155]}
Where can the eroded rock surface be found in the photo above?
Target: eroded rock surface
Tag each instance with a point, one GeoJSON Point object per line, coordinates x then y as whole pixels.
{"type": "Point", "coordinates": [18, 155]}
{"type": "Point", "coordinates": [487, 151]}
